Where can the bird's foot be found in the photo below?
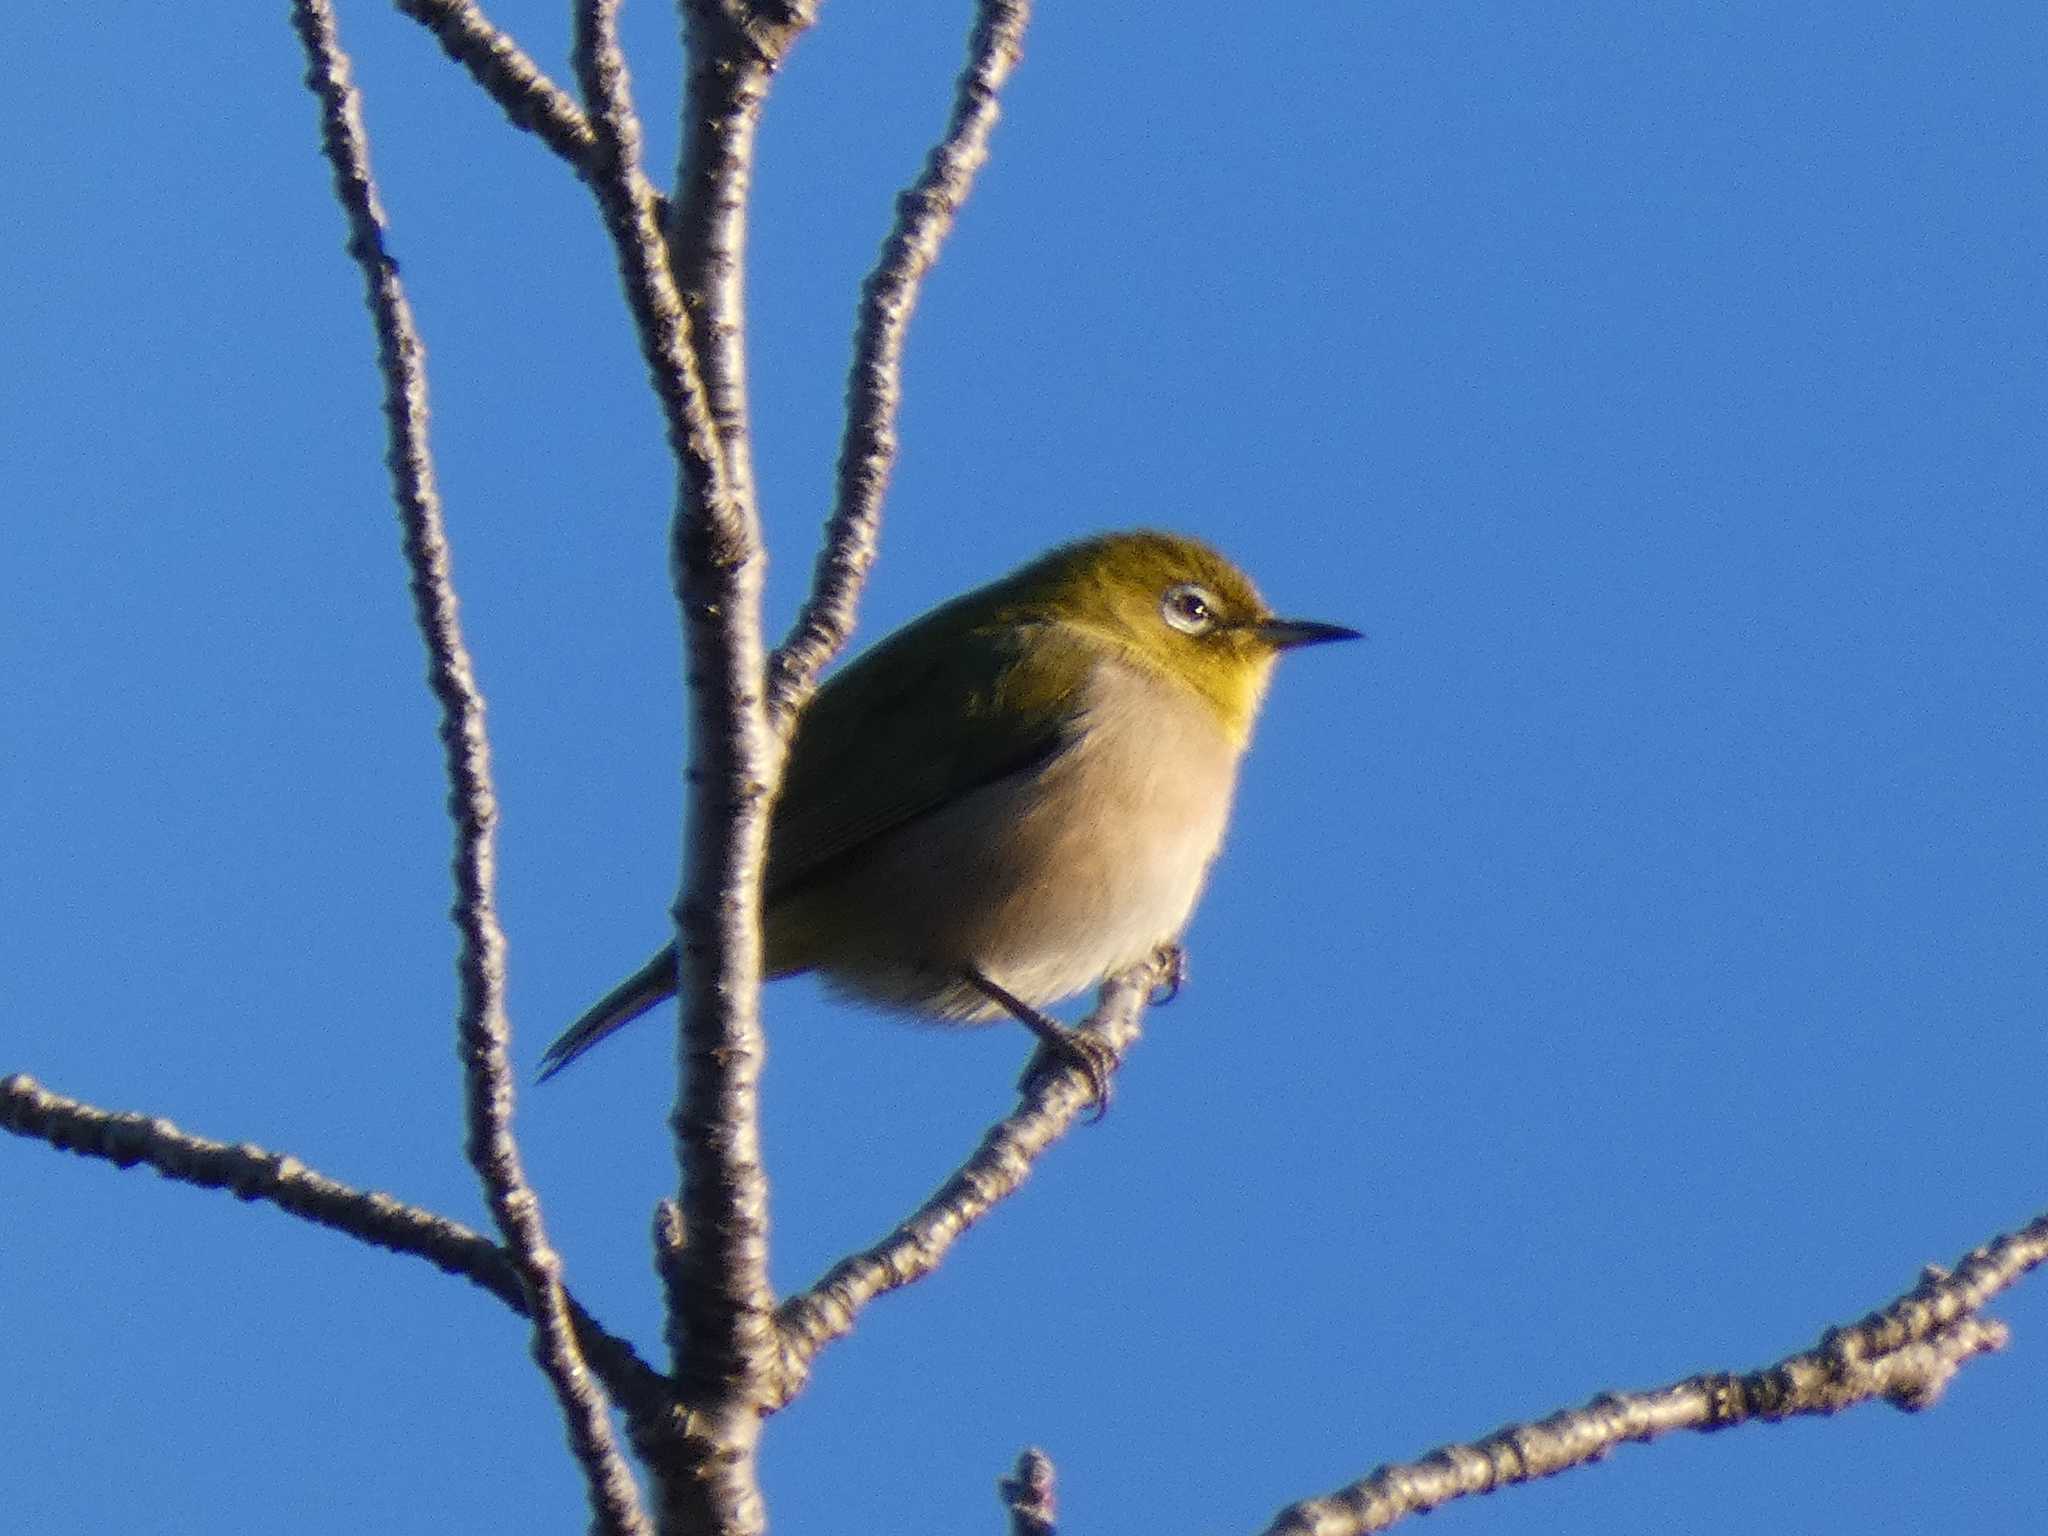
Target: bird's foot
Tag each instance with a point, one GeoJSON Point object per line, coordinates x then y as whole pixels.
{"type": "Point", "coordinates": [1172, 961]}
{"type": "Point", "coordinates": [1058, 1045]}
{"type": "Point", "coordinates": [1063, 1048]}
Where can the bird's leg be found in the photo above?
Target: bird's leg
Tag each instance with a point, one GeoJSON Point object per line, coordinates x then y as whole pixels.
{"type": "Point", "coordinates": [1058, 1045]}
{"type": "Point", "coordinates": [1173, 960]}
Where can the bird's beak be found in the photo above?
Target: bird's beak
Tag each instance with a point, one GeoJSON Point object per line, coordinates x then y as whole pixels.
{"type": "Point", "coordinates": [1286, 634]}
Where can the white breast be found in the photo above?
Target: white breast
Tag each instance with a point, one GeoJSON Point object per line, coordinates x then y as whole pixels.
{"type": "Point", "coordinates": [1055, 878]}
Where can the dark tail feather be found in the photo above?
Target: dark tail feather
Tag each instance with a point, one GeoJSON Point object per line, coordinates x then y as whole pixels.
{"type": "Point", "coordinates": [621, 1006]}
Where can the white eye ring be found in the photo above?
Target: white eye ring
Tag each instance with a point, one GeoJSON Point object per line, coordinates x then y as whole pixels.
{"type": "Point", "coordinates": [1189, 608]}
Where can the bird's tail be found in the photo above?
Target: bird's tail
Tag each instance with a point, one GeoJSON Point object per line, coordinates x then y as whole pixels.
{"type": "Point", "coordinates": [622, 1005]}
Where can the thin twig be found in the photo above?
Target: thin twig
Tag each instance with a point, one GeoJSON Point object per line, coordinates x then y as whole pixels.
{"type": "Point", "coordinates": [1052, 1102]}
{"type": "Point", "coordinates": [1028, 1494]}
{"type": "Point", "coordinates": [482, 1029]}
{"type": "Point", "coordinates": [525, 94]}
{"type": "Point", "coordinates": [925, 213]}
{"type": "Point", "coordinates": [250, 1172]}
{"type": "Point", "coordinates": [1904, 1354]}
{"type": "Point", "coordinates": [507, 74]}
{"type": "Point", "coordinates": [613, 170]}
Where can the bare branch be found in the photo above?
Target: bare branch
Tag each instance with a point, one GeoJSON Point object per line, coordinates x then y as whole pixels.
{"type": "Point", "coordinates": [732, 56]}
{"type": "Point", "coordinates": [613, 170]}
{"type": "Point", "coordinates": [1904, 1354]}
{"type": "Point", "coordinates": [686, 303]}
{"type": "Point", "coordinates": [250, 1172]}
{"type": "Point", "coordinates": [1028, 1495]}
{"type": "Point", "coordinates": [1052, 1102]}
{"type": "Point", "coordinates": [1942, 1297]}
{"type": "Point", "coordinates": [507, 74]}
{"type": "Point", "coordinates": [482, 1028]}
{"type": "Point", "coordinates": [867, 455]}
{"type": "Point", "coordinates": [717, 563]}
{"type": "Point", "coordinates": [510, 78]}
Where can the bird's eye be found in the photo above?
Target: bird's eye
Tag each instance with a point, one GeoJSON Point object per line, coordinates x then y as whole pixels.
{"type": "Point", "coordinates": [1189, 609]}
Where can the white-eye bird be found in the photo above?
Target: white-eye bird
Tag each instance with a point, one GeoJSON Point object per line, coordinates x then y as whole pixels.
{"type": "Point", "coordinates": [1014, 796]}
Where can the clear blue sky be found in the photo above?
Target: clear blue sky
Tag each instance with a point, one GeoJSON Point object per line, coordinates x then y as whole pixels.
{"type": "Point", "coordinates": [1628, 962]}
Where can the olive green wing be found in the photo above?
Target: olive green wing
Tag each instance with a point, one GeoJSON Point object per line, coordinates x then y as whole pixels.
{"type": "Point", "coordinates": [938, 709]}
{"type": "Point", "coordinates": [933, 712]}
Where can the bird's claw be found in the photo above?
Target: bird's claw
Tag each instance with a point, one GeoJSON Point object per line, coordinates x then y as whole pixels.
{"type": "Point", "coordinates": [1172, 962]}
{"type": "Point", "coordinates": [1087, 1054]}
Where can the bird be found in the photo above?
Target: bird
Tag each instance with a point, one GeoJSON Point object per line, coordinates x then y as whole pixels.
{"type": "Point", "coordinates": [1014, 796]}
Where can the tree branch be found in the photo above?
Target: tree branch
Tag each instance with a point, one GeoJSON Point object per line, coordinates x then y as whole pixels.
{"type": "Point", "coordinates": [527, 96]}
{"type": "Point", "coordinates": [1904, 1354]}
{"type": "Point", "coordinates": [1051, 1103]}
{"type": "Point", "coordinates": [867, 454]}
{"type": "Point", "coordinates": [1028, 1495]}
{"type": "Point", "coordinates": [683, 285]}
{"type": "Point", "coordinates": [251, 1173]}
{"type": "Point", "coordinates": [732, 53]}
{"type": "Point", "coordinates": [508, 75]}
{"type": "Point", "coordinates": [613, 170]}
{"type": "Point", "coordinates": [482, 1029]}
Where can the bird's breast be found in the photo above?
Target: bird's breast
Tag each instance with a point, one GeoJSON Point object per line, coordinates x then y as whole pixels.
{"type": "Point", "coordinates": [1047, 880]}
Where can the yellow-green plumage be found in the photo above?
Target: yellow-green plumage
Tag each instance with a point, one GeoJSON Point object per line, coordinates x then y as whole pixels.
{"type": "Point", "coordinates": [1023, 787]}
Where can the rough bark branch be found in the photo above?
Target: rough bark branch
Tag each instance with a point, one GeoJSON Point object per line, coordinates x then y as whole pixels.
{"type": "Point", "coordinates": [730, 59]}
{"type": "Point", "coordinates": [997, 1169]}
{"type": "Point", "coordinates": [249, 1172]}
{"type": "Point", "coordinates": [925, 213]}
{"type": "Point", "coordinates": [509, 77]}
{"type": "Point", "coordinates": [1904, 1354]}
{"type": "Point", "coordinates": [1029, 1495]}
{"type": "Point", "coordinates": [483, 1032]}
{"type": "Point", "coordinates": [683, 285]}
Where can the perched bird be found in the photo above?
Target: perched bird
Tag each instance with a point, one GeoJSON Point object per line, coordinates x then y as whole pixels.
{"type": "Point", "coordinates": [1014, 796]}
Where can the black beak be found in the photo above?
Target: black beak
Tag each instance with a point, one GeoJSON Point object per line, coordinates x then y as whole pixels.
{"type": "Point", "coordinates": [1287, 634]}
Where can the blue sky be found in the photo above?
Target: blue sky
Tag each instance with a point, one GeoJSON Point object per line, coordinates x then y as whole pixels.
{"type": "Point", "coordinates": [1626, 963]}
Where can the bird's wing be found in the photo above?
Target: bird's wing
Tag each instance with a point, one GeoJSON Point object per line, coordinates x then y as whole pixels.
{"type": "Point", "coordinates": [937, 710]}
